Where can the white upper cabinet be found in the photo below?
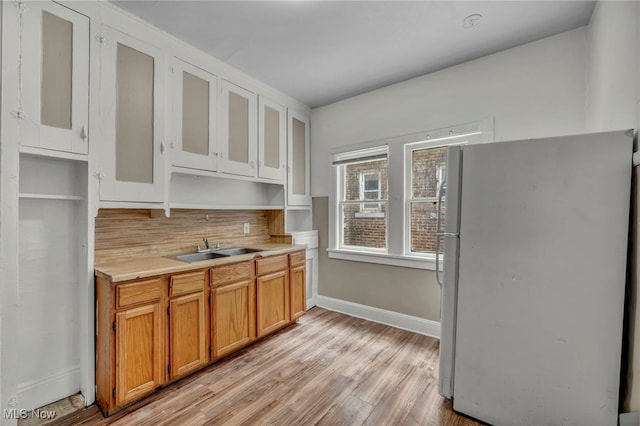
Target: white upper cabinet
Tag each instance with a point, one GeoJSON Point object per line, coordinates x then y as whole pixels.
{"type": "Point", "coordinates": [194, 107]}
{"type": "Point", "coordinates": [272, 136]}
{"type": "Point", "coordinates": [131, 99]}
{"type": "Point", "coordinates": [54, 78]}
{"type": "Point", "coordinates": [298, 170]}
{"type": "Point", "coordinates": [238, 145]}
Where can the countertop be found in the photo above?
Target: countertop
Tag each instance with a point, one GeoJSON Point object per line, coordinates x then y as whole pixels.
{"type": "Point", "coordinates": [144, 267]}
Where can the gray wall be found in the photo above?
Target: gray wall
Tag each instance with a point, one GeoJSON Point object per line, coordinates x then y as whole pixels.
{"type": "Point", "coordinates": [533, 90]}
{"type": "Point", "coordinates": [406, 290]}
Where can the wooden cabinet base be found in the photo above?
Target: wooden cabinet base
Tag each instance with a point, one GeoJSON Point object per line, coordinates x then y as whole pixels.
{"type": "Point", "coordinates": [153, 331]}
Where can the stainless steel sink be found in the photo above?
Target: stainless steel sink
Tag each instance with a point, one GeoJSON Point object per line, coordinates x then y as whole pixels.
{"type": "Point", "coordinates": [213, 254]}
{"type": "Point", "coordinates": [198, 257]}
{"type": "Point", "coordinates": [237, 250]}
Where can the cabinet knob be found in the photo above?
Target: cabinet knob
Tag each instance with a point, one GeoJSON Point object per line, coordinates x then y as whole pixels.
{"type": "Point", "coordinates": [83, 133]}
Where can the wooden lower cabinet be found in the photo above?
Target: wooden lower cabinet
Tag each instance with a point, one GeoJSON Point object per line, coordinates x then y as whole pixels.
{"type": "Point", "coordinates": [233, 307]}
{"type": "Point", "coordinates": [272, 290]}
{"type": "Point", "coordinates": [130, 344]}
{"type": "Point", "coordinates": [154, 330]}
{"type": "Point", "coordinates": [298, 284]}
{"type": "Point", "coordinates": [139, 358]}
{"type": "Point", "coordinates": [188, 323]}
{"type": "Point", "coordinates": [188, 331]}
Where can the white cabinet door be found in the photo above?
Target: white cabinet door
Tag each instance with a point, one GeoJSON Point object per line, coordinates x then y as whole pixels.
{"type": "Point", "coordinates": [272, 133]}
{"type": "Point", "coordinates": [54, 73]}
{"type": "Point", "coordinates": [298, 181]}
{"type": "Point", "coordinates": [194, 117]}
{"type": "Point", "coordinates": [238, 145]}
{"type": "Point", "coordinates": [131, 102]}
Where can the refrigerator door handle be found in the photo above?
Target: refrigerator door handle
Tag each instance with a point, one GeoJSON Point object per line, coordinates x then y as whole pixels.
{"type": "Point", "coordinates": [439, 233]}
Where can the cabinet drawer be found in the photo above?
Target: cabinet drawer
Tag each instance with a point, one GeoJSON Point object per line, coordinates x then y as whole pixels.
{"type": "Point", "coordinates": [271, 264]}
{"type": "Point", "coordinates": [138, 292]}
{"type": "Point", "coordinates": [297, 258]}
{"type": "Point", "coordinates": [187, 283]}
{"type": "Point", "coordinates": [232, 273]}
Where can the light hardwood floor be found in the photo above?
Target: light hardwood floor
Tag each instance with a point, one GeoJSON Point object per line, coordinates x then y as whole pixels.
{"type": "Point", "coordinates": [328, 369]}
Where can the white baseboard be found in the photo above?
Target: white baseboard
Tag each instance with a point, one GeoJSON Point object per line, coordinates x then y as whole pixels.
{"type": "Point", "coordinates": [630, 419]}
{"type": "Point", "coordinates": [56, 386]}
{"type": "Point", "coordinates": [382, 316]}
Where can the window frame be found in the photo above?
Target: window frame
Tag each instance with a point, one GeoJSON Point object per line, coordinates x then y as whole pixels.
{"type": "Point", "coordinates": [369, 154]}
{"type": "Point", "coordinates": [396, 205]}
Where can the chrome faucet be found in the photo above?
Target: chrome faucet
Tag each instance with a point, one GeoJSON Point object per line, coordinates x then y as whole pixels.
{"type": "Point", "coordinates": [207, 247]}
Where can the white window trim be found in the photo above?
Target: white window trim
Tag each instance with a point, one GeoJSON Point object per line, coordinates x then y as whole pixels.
{"type": "Point", "coordinates": [396, 254]}
{"type": "Point", "coordinates": [409, 148]}
{"type": "Point", "coordinates": [340, 189]}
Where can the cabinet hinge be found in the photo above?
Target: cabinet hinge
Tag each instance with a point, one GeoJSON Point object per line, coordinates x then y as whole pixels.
{"type": "Point", "coordinates": [168, 309]}
{"type": "Point", "coordinates": [169, 368]}
{"type": "Point", "coordinates": [113, 326]}
{"type": "Point", "coordinates": [209, 351]}
{"type": "Point", "coordinates": [209, 300]}
{"type": "Point", "coordinates": [113, 393]}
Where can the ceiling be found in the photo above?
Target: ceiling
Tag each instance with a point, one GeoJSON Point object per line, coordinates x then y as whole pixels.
{"type": "Point", "coordinates": [320, 52]}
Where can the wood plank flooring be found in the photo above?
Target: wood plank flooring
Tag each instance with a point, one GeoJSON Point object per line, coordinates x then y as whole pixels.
{"type": "Point", "coordinates": [328, 369]}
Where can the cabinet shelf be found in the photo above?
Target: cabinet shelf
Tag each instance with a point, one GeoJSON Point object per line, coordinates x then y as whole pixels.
{"type": "Point", "coordinates": [225, 207]}
{"type": "Point", "coordinates": [28, 196]}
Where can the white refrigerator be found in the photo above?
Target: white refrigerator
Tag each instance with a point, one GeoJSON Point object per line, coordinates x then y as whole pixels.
{"type": "Point", "coordinates": [534, 235]}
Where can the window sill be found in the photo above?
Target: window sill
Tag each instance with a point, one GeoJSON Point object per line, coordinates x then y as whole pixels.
{"type": "Point", "coordinates": [428, 263]}
{"type": "Point", "coordinates": [372, 215]}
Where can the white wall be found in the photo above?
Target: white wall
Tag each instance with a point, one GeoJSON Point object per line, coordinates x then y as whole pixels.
{"type": "Point", "coordinates": [612, 96]}
{"type": "Point", "coordinates": [534, 90]}
{"type": "Point", "coordinates": [612, 67]}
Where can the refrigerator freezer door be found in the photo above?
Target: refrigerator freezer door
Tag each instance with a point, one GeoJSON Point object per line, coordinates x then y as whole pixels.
{"type": "Point", "coordinates": [450, 271]}
{"type": "Point", "coordinates": [543, 247]}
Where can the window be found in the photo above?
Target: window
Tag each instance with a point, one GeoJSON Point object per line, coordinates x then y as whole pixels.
{"type": "Point", "coordinates": [370, 190]}
{"type": "Point", "coordinates": [384, 200]}
{"type": "Point", "coordinates": [426, 175]}
{"type": "Point", "coordinates": [362, 176]}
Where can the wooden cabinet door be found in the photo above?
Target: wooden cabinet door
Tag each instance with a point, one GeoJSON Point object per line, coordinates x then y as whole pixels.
{"type": "Point", "coordinates": [131, 100]}
{"type": "Point", "coordinates": [55, 78]}
{"type": "Point", "coordinates": [298, 279]}
{"type": "Point", "coordinates": [272, 132]}
{"type": "Point", "coordinates": [233, 316]}
{"type": "Point", "coordinates": [272, 302]}
{"type": "Point", "coordinates": [139, 352]}
{"type": "Point", "coordinates": [238, 146]}
{"type": "Point", "coordinates": [298, 169]}
{"type": "Point", "coordinates": [188, 336]}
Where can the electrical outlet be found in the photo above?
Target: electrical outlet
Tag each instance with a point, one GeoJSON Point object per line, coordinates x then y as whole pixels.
{"type": "Point", "coordinates": [246, 228]}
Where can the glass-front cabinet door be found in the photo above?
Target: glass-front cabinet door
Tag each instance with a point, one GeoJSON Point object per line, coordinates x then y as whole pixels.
{"type": "Point", "coordinates": [298, 170]}
{"type": "Point", "coordinates": [131, 108]}
{"type": "Point", "coordinates": [238, 145]}
{"type": "Point", "coordinates": [54, 78]}
{"type": "Point", "coordinates": [194, 117]}
{"type": "Point", "coordinates": [272, 136]}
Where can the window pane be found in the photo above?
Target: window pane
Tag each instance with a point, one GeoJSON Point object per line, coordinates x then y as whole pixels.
{"type": "Point", "coordinates": [57, 62]}
{"type": "Point", "coordinates": [364, 229]}
{"type": "Point", "coordinates": [353, 173]}
{"type": "Point", "coordinates": [423, 226]}
{"type": "Point", "coordinates": [271, 138]}
{"type": "Point", "coordinates": [195, 114]}
{"type": "Point", "coordinates": [427, 171]}
{"type": "Point", "coordinates": [298, 138]}
{"type": "Point", "coordinates": [134, 115]}
{"type": "Point", "coordinates": [238, 128]}
{"type": "Point", "coordinates": [371, 182]}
